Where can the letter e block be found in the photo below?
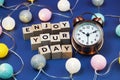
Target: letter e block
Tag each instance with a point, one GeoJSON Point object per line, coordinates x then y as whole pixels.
{"type": "Point", "coordinates": [27, 32]}
{"type": "Point", "coordinates": [45, 51]}
{"type": "Point", "coordinates": [56, 51]}
{"type": "Point", "coordinates": [66, 51]}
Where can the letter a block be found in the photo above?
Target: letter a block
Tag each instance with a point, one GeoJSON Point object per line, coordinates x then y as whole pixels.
{"type": "Point", "coordinates": [56, 51]}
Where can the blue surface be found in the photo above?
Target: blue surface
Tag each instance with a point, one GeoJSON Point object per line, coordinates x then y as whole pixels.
{"type": "Point", "coordinates": [110, 48]}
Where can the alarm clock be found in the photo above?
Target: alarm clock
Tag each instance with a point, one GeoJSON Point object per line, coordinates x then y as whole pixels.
{"type": "Point", "coordinates": [87, 37]}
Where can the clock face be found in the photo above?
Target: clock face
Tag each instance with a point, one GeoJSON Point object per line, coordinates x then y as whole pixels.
{"type": "Point", "coordinates": [87, 33]}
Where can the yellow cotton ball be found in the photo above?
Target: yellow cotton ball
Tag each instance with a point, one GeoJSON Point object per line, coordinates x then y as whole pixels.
{"type": "Point", "coordinates": [31, 1]}
{"type": "Point", "coordinates": [3, 50]}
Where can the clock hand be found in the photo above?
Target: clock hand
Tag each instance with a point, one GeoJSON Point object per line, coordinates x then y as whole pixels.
{"type": "Point", "coordinates": [93, 32]}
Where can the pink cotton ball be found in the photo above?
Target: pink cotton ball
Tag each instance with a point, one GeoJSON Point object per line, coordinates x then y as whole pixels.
{"type": "Point", "coordinates": [45, 14]}
{"type": "Point", "coordinates": [98, 62]}
{"type": "Point", "coordinates": [0, 30]}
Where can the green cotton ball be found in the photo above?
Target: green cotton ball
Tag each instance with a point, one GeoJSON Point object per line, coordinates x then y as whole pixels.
{"type": "Point", "coordinates": [6, 71]}
{"type": "Point", "coordinates": [1, 2]}
{"type": "Point", "coordinates": [118, 30]}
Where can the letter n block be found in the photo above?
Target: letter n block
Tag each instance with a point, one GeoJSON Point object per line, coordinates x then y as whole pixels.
{"type": "Point", "coordinates": [45, 51]}
{"type": "Point", "coordinates": [66, 51]}
{"type": "Point", "coordinates": [37, 29]}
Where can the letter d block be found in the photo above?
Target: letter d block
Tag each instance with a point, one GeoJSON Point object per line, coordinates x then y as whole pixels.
{"type": "Point", "coordinates": [27, 32]}
{"type": "Point", "coordinates": [66, 51]}
{"type": "Point", "coordinates": [56, 51]}
{"type": "Point", "coordinates": [45, 51]}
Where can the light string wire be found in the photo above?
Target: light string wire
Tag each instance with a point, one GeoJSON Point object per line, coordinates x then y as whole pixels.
{"type": "Point", "coordinates": [108, 70]}
{"type": "Point", "coordinates": [20, 70]}
{"type": "Point", "coordinates": [24, 3]}
{"type": "Point", "coordinates": [54, 76]}
{"type": "Point", "coordinates": [9, 7]}
{"type": "Point", "coordinates": [37, 75]}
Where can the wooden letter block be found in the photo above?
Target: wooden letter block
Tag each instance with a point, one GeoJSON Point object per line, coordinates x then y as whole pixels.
{"type": "Point", "coordinates": [66, 51]}
{"type": "Point", "coordinates": [45, 51]}
{"type": "Point", "coordinates": [65, 37]}
{"type": "Point", "coordinates": [56, 28]}
{"type": "Point", "coordinates": [56, 51]}
{"type": "Point", "coordinates": [35, 42]}
{"type": "Point", "coordinates": [45, 39]}
{"type": "Point", "coordinates": [65, 26]}
{"type": "Point", "coordinates": [27, 32]}
{"type": "Point", "coordinates": [46, 27]}
{"type": "Point", "coordinates": [37, 29]}
{"type": "Point", "coordinates": [55, 39]}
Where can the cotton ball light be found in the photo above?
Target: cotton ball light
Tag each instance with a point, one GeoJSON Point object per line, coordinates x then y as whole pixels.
{"type": "Point", "coordinates": [63, 5]}
{"type": "Point", "coordinates": [0, 30]}
{"type": "Point", "coordinates": [45, 14]}
{"type": "Point", "coordinates": [25, 16]}
{"type": "Point", "coordinates": [99, 15]}
{"type": "Point", "coordinates": [8, 23]}
{"type": "Point", "coordinates": [117, 30]}
{"type": "Point", "coordinates": [98, 62]}
{"type": "Point", "coordinates": [97, 2]}
{"type": "Point", "coordinates": [38, 61]}
{"type": "Point", "coordinates": [6, 71]}
{"type": "Point", "coordinates": [73, 65]}
{"type": "Point", "coordinates": [1, 2]}
{"type": "Point", "coordinates": [3, 50]}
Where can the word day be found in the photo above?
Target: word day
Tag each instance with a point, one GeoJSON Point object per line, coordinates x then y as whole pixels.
{"type": "Point", "coordinates": [51, 40]}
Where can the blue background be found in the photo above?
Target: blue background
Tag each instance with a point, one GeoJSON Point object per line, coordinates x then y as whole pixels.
{"type": "Point", "coordinates": [110, 48]}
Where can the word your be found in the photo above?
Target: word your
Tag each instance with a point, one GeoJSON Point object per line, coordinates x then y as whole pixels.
{"type": "Point", "coordinates": [51, 40]}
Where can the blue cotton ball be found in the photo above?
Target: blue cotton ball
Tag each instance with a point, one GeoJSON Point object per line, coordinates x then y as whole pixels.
{"type": "Point", "coordinates": [1, 2]}
{"type": "Point", "coordinates": [6, 71]}
{"type": "Point", "coordinates": [117, 31]}
{"type": "Point", "coordinates": [99, 15]}
{"type": "Point", "coordinates": [38, 61]}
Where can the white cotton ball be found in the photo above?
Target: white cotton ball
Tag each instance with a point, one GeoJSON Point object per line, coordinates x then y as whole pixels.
{"type": "Point", "coordinates": [63, 5]}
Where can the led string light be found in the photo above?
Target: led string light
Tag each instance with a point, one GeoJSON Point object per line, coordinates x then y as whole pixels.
{"type": "Point", "coordinates": [117, 30]}
{"type": "Point", "coordinates": [99, 62]}
{"type": "Point", "coordinates": [6, 70]}
{"type": "Point", "coordinates": [38, 62]}
{"type": "Point", "coordinates": [98, 3]}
